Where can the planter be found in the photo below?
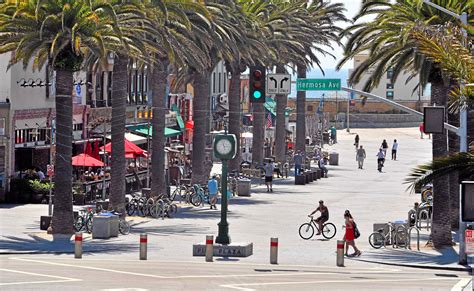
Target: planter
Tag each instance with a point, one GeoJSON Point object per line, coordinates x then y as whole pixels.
{"type": "Point", "coordinates": [37, 197]}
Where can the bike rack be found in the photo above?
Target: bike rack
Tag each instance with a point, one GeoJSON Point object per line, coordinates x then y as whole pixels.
{"type": "Point", "coordinates": [396, 243]}
{"type": "Point", "coordinates": [410, 213]}
{"type": "Point", "coordinates": [428, 220]}
{"type": "Point", "coordinates": [417, 237]}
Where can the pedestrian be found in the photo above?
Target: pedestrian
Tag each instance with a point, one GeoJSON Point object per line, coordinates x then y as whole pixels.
{"type": "Point", "coordinates": [298, 159]}
{"type": "Point", "coordinates": [394, 150]}
{"type": "Point", "coordinates": [384, 147]}
{"type": "Point", "coordinates": [360, 157]}
{"type": "Point", "coordinates": [422, 130]}
{"type": "Point", "coordinates": [380, 160]}
{"type": "Point", "coordinates": [333, 134]}
{"type": "Point", "coordinates": [40, 174]}
{"type": "Point", "coordinates": [356, 141]}
{"type": "Point", "coordinates": [322, 166]}
{"type": "Point", "coordinates": [350, 236]}
{"type": "Point", "coordinates": [213, 188]}
{"type": "Point", "coordinates": [269, 168]}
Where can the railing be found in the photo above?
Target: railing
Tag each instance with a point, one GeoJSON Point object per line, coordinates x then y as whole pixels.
{"type": "Point", "coordinates": [133, 182]}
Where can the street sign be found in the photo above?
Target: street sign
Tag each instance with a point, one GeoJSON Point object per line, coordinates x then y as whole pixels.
{"type": "Point", "coordinates": [318, 84]}
{"type": "Point", "coordinates": [469, 241]}
{"type": "Point", "coordinates": [278, 84]}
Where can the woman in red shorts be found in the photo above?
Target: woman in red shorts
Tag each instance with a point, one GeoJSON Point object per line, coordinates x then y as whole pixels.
{"type": "Point", "coordinates": [349, 236]}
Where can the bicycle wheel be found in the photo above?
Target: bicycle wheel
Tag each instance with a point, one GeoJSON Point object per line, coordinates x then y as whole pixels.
{"type": "Point", "coordinates": [376, 240]}
{"type": "Point", "coordinates": [131, 209]}
{"type": "Point", "coordinates": [79, 223]}
{"type": "Point", "coordinates": [89, 225]}
{"type": "Point", "coordinates": [306, 231]}
{"type": "Point", "coordinates": [124, 227]}
{"type": "Point", "coordinates": [329, 230]}
{"type": "Point", "coordinates": [172, 210]}
{"type": "Point", "coordinates": [196, 200]}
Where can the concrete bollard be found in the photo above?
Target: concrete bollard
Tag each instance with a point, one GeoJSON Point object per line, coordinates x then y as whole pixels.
{"type": "Point", "coordinates": [78, 245]}
{"type": "Point", "coordinates": [143, 246]}
{"type": "Point", "coordinates": [209, 248]}
{"type": "Point", "coordinates": [274, 250]}
{"type": "Point", "coordinates": [340, 253]}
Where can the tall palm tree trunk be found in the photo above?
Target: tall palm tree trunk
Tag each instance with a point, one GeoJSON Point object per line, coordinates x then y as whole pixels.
{"type": "Point", "coordinates": [158, 84]}
{"type": "Point", "coordinates": [117, 171]}
{"type": "Point", "coordinates": [280, 134]}
{"type": "Point", "coordinates": [202, 94]}
{"type": "Point", "coordinates": [234, 116]}
{"type": "Point", "coordinates": [301, 113]}
{"type": "Point", "coordinates": [453, 141]}
{"type": "Point", "coordinates": [258, 131]}
{"type": "Point", "coordinates": [441, 232]}
{"type": "Point", "coordinates": [62, 215]}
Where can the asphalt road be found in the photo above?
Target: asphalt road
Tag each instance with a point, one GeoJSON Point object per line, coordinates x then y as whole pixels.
{"type": "Point", "coordinates": [53, 273]}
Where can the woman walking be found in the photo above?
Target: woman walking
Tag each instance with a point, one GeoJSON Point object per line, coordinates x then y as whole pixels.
{"type": "Point", "coordinates": [384, 147]}
{"type": "Point", "coordinates": [360, 157]}
{"type": "Point", "coordinates": [356, 142]}
{"type": "Point", "coordinates": [349, 237]}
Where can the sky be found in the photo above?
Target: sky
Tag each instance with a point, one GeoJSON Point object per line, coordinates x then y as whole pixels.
{"type": "Point", "coordinates": [352, 7]}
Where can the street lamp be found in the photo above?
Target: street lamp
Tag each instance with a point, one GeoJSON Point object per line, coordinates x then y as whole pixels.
{"type": "Point", "coordinates": [462, 131]}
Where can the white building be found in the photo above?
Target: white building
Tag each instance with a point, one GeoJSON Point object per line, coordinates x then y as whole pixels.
{"type": "Point", "coordinates": [400, 90]}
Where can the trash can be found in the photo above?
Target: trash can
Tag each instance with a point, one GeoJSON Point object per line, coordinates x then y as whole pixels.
{"type": "Point", "coordinates": [243, 187]}
{"type": "Point", "coordinates": [326, 137]}
{"type": "Point", "coordinates": [102, 225]}
{"type": "Point", "coordinates": [333, 159]}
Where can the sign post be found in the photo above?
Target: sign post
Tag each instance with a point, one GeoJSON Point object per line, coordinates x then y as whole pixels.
{"type": "Point", "coordinates": [469, 237]}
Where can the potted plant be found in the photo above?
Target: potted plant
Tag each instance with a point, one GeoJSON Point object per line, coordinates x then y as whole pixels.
{"type": "Point", "coordinates": [39, 190]}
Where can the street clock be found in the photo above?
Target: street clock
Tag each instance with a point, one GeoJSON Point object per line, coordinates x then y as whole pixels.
{"type": "Point", "coordinates": [225, 146]}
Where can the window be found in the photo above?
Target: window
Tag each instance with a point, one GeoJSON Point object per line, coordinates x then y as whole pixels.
{"type": "Point", "coordinates": [390, 86]}
{"type": "Point", "coordinates": [109, 89]}
{"type": "Point", "coordinates": [77, 127]}
{"type": "Point", "coordinates": [220, 82]}
{"type": "Point", "coordinates": [309, 108]}
{"type": "Point", "coordinates": [389, 73]}
{"type": "Point", "coordinates": [213, 83]}
{"type": "Point", "coordinates": [2, 126]}
{"type": "Point", "coordinates": [389, 94]}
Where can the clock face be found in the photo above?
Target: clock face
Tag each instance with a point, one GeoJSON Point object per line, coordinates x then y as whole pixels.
{"type": "Point", "coordinates": [224, 146]}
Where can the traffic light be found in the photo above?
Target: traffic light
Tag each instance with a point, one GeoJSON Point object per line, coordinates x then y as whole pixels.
{"type": "Point", "coordinates": [257, 84]}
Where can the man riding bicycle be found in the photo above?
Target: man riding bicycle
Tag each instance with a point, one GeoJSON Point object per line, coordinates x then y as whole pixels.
{"type": "Point", "coordinates": [324, 215]}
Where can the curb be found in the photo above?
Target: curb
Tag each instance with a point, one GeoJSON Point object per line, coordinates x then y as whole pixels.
{"type": "Point", "coordinates": [432, 267]}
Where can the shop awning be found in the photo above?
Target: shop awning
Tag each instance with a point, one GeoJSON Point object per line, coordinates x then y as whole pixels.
{"type": "Point", "coordinates": [136, 139]}
{"type": "Point", "coordinates": [270, 105]}
{"type": "Point", "coordinates": [143, 129]}
{"type": "Point", "coordinates": [179, 119]}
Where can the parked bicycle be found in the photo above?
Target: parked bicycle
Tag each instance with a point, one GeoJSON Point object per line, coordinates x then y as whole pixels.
{"type": "Point", "coordinates": [84, 220]}
{"type": "Point", "coordinates": [395, 235]}
{"type": "Point", "coordinates": [124, 226]}
{"type": "Point", "coordinates": [306, 230]}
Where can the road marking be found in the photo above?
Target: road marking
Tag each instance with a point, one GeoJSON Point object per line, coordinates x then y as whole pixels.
{"type": "Point", "coordinates": [237, 286]}
{"type": "Point", "coordinates": [461, 284]}
{"type": "Point", "coordinates": [197, 276]}
{"type": "Point", "coordinates": [61, 279]}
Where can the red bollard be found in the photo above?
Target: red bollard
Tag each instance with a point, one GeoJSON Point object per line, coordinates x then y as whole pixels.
{"type": "Point", "coordinates": [78, 245]}
{"type": "Point", "coordinates": [274, 250]}
{"type": "Point", "coordinates": [340, 253]}
{"type": "Point", "coordinates": [209, 248]}
{"type": "Point", "coordinates": [143, 246]}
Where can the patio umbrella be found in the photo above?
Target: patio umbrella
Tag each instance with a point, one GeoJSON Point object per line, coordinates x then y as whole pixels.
{"type": "Point", "coordinates": [95, 151]}
{"type": "Point", "coordinates": [130, 148]}
{"type": "Point", "coordinates": [84, 160]}
{"type": "Point", "coordinates": [88, 148]}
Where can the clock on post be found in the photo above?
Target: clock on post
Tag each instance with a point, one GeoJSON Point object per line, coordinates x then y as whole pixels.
{"type": "Point", "coordinates": [225, 146]}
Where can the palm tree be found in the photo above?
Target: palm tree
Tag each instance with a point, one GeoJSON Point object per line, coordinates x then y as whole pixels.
{"type": "Point", "coordinates": [59, 32]}
{"type": "Point", "coordinates": [170, 19]}
{"type": "Point", "coordinates": [388, 40]}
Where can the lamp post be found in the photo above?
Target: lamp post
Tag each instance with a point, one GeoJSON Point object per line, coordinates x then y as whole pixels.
{"type": "Point", "coordinates": [462, 131]}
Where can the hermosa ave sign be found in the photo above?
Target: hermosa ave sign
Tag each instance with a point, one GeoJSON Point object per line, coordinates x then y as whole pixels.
{"type": "Point", "coordinates": [318, 84]}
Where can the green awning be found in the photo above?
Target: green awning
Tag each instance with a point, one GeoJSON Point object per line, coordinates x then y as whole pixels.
{"type": "Point", "coordinates": [143, 129]}
{"type": "Point", "coordinates": [179, 119]}
{"type": "Point", "coordinates": [270, 105]}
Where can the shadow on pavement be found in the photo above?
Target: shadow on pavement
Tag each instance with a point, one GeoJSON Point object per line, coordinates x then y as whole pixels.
{"type": "Point", "coordinates": [60, 244]}
{"type": "Point", "coordinates": [445, 256]}
{"type": "Point", "coordinates": [168, 230]}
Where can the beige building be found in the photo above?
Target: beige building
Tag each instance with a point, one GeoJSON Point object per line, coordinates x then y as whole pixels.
{"type": "Point", "coordinates": [400, 90]}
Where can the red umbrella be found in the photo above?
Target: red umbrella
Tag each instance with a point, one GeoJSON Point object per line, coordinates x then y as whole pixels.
{"type": "Point", "coordinates": [84, 160]}
{"type": "Point", "coordinates": [130, 148]}
{"type": "Point", "coordinates": [88, 148]}
{"type": "Point", "coordinates": [95, 152]}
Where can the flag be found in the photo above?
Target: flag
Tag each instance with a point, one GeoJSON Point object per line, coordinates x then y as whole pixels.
{"type": "Point", "coordinates": [269, 120]}
{"type": "Point", "coordinates": [321, 105]}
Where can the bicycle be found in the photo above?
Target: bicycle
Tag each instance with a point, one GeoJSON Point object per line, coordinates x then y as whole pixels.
{"type": "Point", "coordinates": [395, 235]}
{"type": "Point", "coordinates": [200, 195]}
{"type": "Point", "coordinates": [84, 220]}
{"type": "Point", "coordinates": [124, 226]}
{"type": "Point", "coordinates": [306, 230]}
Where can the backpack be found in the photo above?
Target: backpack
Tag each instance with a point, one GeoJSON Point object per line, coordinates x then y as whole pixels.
{"type": "Point", "coordinates": [356, 231]}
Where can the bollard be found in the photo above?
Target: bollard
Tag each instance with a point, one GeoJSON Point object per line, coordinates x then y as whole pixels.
{"type": "Point", "coordinates": [209, 248]}
{"type": "Point", "coordinates": [340, 253]}
{"type": "Point", "coordinates": [143, 246]}
{"type": "Point", "coordinates": [274, 250]}
{"type": "Point", "coordinates": [78, 245]}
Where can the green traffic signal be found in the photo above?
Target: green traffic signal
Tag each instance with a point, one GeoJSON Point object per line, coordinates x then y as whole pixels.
{"type": "Point", "coordinates": [257, 94]}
